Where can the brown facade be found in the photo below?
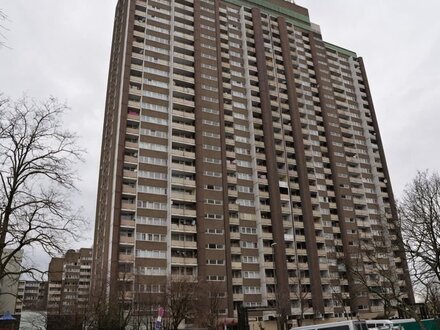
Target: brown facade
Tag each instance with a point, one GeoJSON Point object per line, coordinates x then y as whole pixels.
{"type": "Point", "coordinates": [240, 148]}
{"type": "Point", "coordinates": [68, 286]}
{"type": "Point", "coordinates": [31, 296]}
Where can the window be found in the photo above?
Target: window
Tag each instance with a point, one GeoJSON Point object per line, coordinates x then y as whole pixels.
{"type": "Point", "coordinates": [215, 231]}
{"type": "Point", "coordinates": [152, 190]}
{"type": "Point", "coordinates": [212, 187]}
{"type": "Point", "coordinates": [152, 132]}
{"type": "Point", "coordinates": [213, 216]}
{"type": "Point", "coordinates": [215, 278]}
{"type": "Point", "coordinates": [239, 105]}
{"type": "Point", "coordinates": [157, 49]}
{"type": "Point", "coordinates": [210, 122]}
{"type": "Point", "coordinates": [215, 246]}
{"type": "Point", "coordinates": [241, 139]}
{"type": "Point", "coordinates": [152, 271]}
{"type": "Point", "coordinates": [211, 147]}
{"type": "Point", "coordinates": [154, 254]}
{"type": "Point", "coordinates": [241, 127]}
{"type": "Point", "coordinates": [156, 72]}
{"type": "Point", "coordinates": [212, 160]}
{"type": "Point", "coordinates": [248, 245]}
{"type": "Point", "coordinates": [249, 259]}
{"type": "Point", "coordinates": [249, 274]}
{"type": "Point", "coordinates": [213, 201]}
{"type": "Point", "coordinates": [151, 221]}
{"type": "Point", "coordinates": [244, 176]}
{"type": "Point", "coordinates": [248, 230]}
{"type": "Point", "coordinates": [245, 189]}
{"type": "Point", "coordinates": [243, 163]}
{"type": "Point", "coordinates": [154, 120]}
{"type": "Point", "coordinates": [212, 135]}
{"type": "Point", "coordinates": [251, 290]}
{"type": "Point", "coordinates": [152, 160]}
{"type": "Point", "coordinates": [153, 146]}
{"type": "Point", "coordinates": [151, 205]}
{"type": "Point", "coordinates": [213, 174]}
{"type": "Point", "coordinates": [245, 202]}
{"type": "Point", "coordinates": [242, 151]}
{"type": "Point", "coordinates": [154, 95]}
{"type": "Point", "coordinates": [152, 175]}
{"type": "Point", "coordinates": [156, 83]}
{"type": "Point", "coordinates": [208, 110]}
{"type": "Point", "coordinates": [150, 237]}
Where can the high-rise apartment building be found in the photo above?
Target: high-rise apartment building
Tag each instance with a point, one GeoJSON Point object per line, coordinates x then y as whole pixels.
{"type": "Point", "coordinates": [242, 149]}
{"type": "Point", "coordinates": [31, 296]}
{"type": "Point", "coordinates": [9, 282]}
{"type": "Point", "coordinates": [69, 283]}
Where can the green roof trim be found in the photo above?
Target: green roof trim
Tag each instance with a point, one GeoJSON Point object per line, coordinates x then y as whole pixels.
{"type": "Point", "coordinates": [293, 17]}
{"type": "Point", "coordinates": [340, 49]}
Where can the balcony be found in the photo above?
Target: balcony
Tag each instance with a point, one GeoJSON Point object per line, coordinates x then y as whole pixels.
{"type": "Point", "coordinates": [132, 131]}
{"type": "Point", "coordinates": [183, 244]}
{"type": "Point", "coordinates": [128, 206]}
{"type": "Point", "coordinates": [130, 159]}
{"type": "Point", "coordinates": [183, 182]}
{"type": "Point", "coordinates": [128, 223]}
{"type": "Point", "coordinates": [183, 261]}
{"type": "Point", "coordinates": [183, 114]}
{"type": "Point", "coordinates": [183, 153]}
{"type": "Point", "coordinates": [235, 250]}
{"type": "Point", "coordinates": [126, 240]}
{"type": "Point", "coordinates": [133, 117]}
{"type": "Point", "coordinates": [235, 236]}
{"type": "Point", "coordinates": [125, 276]}
{"type": "Point", "coordinates": [183, 212]}
{"type": "Point", "coordinates": [182, 167]}
{"type": "Point", "coordinates": [183, 228]}
{"type": "Point", "coordinates": [183, 103]}
{"type": "Point", "coordinates": [183, 127]}
{"type": "Point", "coordinates": [183, 90]}
{"type": "Point", "coordinates": [131, 145]}
{"type": "Point", "coordinates": [134, 104]}
{"type": "Point", "coordinates": [126, 257]}
{"type": "Point", "coordinates": [179, 77]}
{"type": "Point", "coordinates": [129, 190]}
{"type": "Point", "coordinates": [183, 197]}
{"type": "Point", "coordinates": [129, 174]}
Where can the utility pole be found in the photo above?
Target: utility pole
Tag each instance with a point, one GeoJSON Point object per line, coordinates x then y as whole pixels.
{"type": "Point", "coordinates": [280, 323]}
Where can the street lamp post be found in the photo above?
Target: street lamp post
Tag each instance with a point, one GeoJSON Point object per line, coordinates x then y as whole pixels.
{"type": "Point", "coordinates": [277, 304]}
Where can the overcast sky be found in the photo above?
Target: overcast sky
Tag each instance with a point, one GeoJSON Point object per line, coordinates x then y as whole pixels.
{"type": "Point", "coordinates": [62, 48]}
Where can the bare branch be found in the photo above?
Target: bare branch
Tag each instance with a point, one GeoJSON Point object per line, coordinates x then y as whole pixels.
{"type": "Point", "coordinates": [38, 160]}
{"type": "Point", "coordinates": [420, 224]}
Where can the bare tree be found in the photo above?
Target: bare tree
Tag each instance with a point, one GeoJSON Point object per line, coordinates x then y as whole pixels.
{"type": "Point", "coordinates": [115, 313]}
{"type": "Point", "coordinates": [301, 292]}
{"type": "Point", "coordinates": [145, 308]}
{"type": "Point", "coordinates": [432, 298]}
{"type": "Point", "coordinates": [375, 272]}
{"type": "Point", "coordinates": [37, 176]}
{"type": "Point", "coordinates": [339, 299]}
{"type": "Point", "coordinates": [210, 298]}
{"type": "Point", "coordinates": [181, 300]}
{"type": "Point", "coordinates": [420, 224]}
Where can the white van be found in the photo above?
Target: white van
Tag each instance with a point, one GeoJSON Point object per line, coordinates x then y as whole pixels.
{"type": "Point", "coordinates": [381, 325]}
{"type": "Point", "coordinates": [343, 325]}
